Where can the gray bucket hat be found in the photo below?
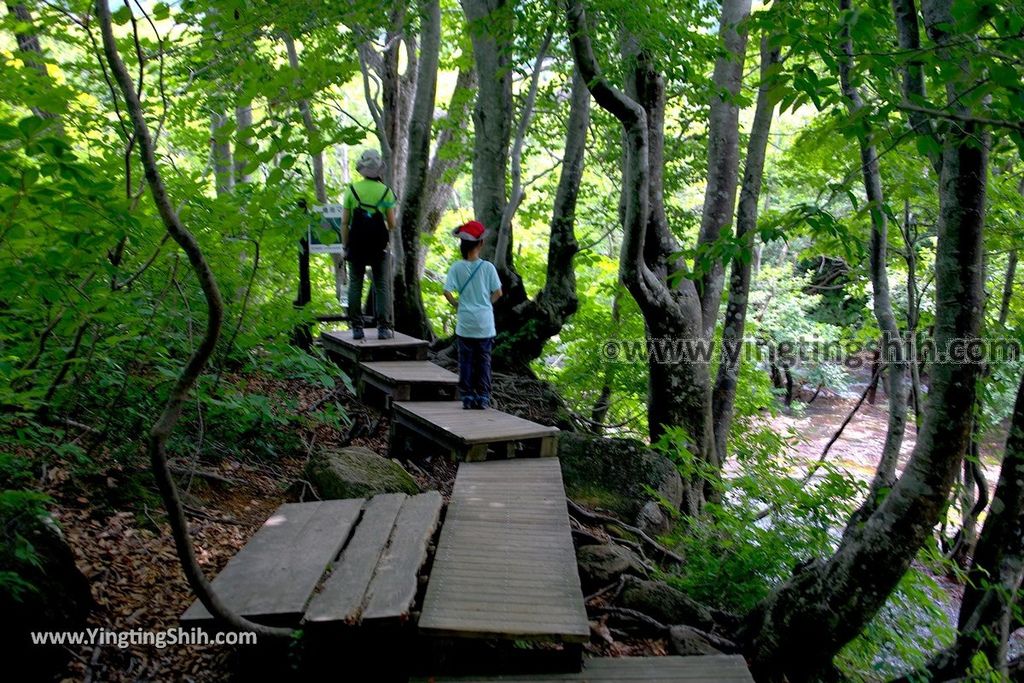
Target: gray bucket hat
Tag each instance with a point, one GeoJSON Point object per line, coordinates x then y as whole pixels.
{"type": "Point", "coordinates": [370, 165]}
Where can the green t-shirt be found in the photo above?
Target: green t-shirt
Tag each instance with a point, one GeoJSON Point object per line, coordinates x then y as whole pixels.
{"type": "Point", "coordinates": [372, 193]}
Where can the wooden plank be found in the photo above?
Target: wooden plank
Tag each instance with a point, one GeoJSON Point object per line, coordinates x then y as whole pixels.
{"type": "Point", "coordinates": [410, 372]}
{"type": "Point", "coordinates": [394, 585]}
{"type": "Point", "coordinates": [371, 348]}
{"type": "Point", "coordinates": [278, 569]}
{"type": "Point", "coordinates": [344, 592]}
{"type": "Point", "coordinates": [704, 669]}
{"type": "Point", "coordinates": [505, 565]}
{"type": "Point", "coordinates": [471, 426]}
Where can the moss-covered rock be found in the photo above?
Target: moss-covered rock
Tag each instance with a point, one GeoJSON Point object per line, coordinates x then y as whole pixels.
{"type": "Point", "coordinates": [600, 565]}
{"type": "Point", "coordinates": [357, 472]}
{"type": "Point", "coordinates": [615, 473]}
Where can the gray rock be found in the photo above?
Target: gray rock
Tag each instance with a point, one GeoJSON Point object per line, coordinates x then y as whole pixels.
{"type": "Point", "coordinates": [601, 565]}
{"type": "Point", "coordinates": [615, 473]}
{"type": "Point", "coordinates": [653, 520]}
{"type": "Point", "coordinates": [683, 640]}
{"type": "Point", "coordinates": [666, 604]}
{"type": "Point", "coordinates": [357, 472]}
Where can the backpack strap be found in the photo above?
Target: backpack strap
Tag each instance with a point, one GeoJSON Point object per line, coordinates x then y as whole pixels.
{"type": "Point", "coordinates": [362, 204]}
{"type": "Point", "coordinates": [471, 276]}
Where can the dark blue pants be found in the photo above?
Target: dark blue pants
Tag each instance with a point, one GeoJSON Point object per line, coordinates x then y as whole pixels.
{"type": "Point", "coordinates": [475, 368]}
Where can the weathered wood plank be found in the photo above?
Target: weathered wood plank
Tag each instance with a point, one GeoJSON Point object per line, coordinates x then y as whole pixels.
{"type": "Point", "coordinates": [343, 594]}
{"type": "Point", "coordinates": [505, 566]}
{"type": "Point", "coordinates": [279, 568]}
{"type": "Point", "coordinates": [394, 585]}
{"type": "Point", "coordinates": [471, 426]}
{"type": "Point", "coordinates": [410, 372]}
{"type": "Point", "coordinates": [401, 346]}
{"type": "Point", "coordinates": [706, 669]}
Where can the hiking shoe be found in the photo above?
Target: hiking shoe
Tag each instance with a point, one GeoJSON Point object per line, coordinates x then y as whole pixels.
{"type": "Point", "coordinates": [357, 333]}
{"type": "Point", "coordinates": [385, 333]}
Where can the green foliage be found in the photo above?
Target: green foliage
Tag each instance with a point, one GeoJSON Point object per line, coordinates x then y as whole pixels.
{"type": "Point", "coordinates": [768, 523]}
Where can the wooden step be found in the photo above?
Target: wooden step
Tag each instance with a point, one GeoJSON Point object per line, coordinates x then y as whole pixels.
{"type": "Point", "coordinates": [505, 566]}
{"type": "Point", "coordinates": [377, 574]}
{"type": "Point", "coordinates": [470, 434]}
{"type": "Point", "coordinates": [404, 380]}
{"type": "Point", "coordinates": [706, 669]}
{"type": "Point", "coordinates": [340, 344]}
{"type": "Point", "coordinates": [271, 578]}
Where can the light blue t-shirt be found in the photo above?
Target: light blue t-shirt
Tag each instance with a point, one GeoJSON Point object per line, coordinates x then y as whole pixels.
{"type": "Point", "coordinates": [475, 318]}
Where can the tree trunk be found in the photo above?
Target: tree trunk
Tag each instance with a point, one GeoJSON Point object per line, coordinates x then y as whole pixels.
{"type": "Point", "coordinates": [32, 56]}
{"type": "Point", "coordinates": [451, 152]}
{"type": "Point", "coordinates": [679, 392]}
{"type": "Point", "coordinates": [740, 269]}
{"type": "Point", "coordinates": [891, 348]}
{"type": "Point", "coordinates": [535, 321]}
{"type": "Point", "coordinates": [723, 151]}
{"type": "Point", "coordinates": [179, 393]}
{"type": "Point", "coordinates": [313, 135]}
{"type": "Point", "coordinates": [1011, 274]}
{"type": "Point", "coordinates": [244, 145]}
{"type": "Point", "coordinates": [490, 31]}
{"type": "Point", "coordinates": [410, 316]}
{"type": "Point", "coordinates": [795, 631]}
{"type": "Point", "coordinates": [987, 607]}
{"type": "Point", "coordinates": [223, 170]}
{"type": "Point", "coordinates": [317, 162]}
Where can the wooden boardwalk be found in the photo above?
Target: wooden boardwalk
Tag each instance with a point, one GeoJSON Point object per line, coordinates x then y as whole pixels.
{"type": "Point", "coordinates": [373, 550]}
{"type": "Point", "coordinates": [405, 380]}
{"type": "Point", "coordinates": [376, 576]}
{"type": "Point", "coordinates": [471, 434]}
{"type": "Point", "coordinates": [505, 566]}
{"type": "Point", "coordinates": [352, 352]}
{"type": "Point", "coordinates": [272, 577]}
{"type": "Point", "coordinates": [705, 669]}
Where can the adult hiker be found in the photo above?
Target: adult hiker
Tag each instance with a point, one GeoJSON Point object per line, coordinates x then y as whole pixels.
{"type": "Point", "coordinates": [367, 219]}
{"type": "Point", "coordinates": [472, 287]}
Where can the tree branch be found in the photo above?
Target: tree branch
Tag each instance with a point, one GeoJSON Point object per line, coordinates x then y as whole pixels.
{"type": "Point", "coordinates": [164, 425]}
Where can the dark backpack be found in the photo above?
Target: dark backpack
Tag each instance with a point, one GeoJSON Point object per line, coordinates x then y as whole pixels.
{"type": "Point", "coordinates": [368, 233]}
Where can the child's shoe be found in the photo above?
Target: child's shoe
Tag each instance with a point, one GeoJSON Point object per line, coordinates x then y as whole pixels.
{"type": "Point", "coordinates": [482, 402]}
{"type": "Point", "coordinates": [468, 402]}
{"type": "Point", "coordinates": [357, 333]}
{"type": "Point", "coordinates": [385, 333]}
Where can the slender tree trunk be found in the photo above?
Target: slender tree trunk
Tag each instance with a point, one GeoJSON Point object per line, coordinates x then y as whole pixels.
{"type": "Point", "coordinates": [32, 56]}
{"type": "Point", "coordinates": [317, 162]}
{"type": "Point", "coordinates": [723, 151]}
{"type": "Point", "coordinates": [451, 151]}
{"type": "Point", "coordinates": [312, 133]}
{"type": "Point", "coordinates": [410, 315]}
{"type": "Point", "coordinates": [795, 631]}
{"type": "Point", "coordinates": [986, 611]}
{"type": "Point", "coordinates": [1011, 273]}
{"type": "Point", "coordinates": [215, 315]}
{"type": "Point", "coordinates": [740, 268]}
{"type": "Point", "coordinates": [244, 151]}
{"type": "Point", "coordinates": [221, 151]}
{"type": "Point", "coordinates": [891, 348]}
{"type": "Point", "coordinates": [535, 321]}
{"type": "Point", "coordinates": [490, 31]}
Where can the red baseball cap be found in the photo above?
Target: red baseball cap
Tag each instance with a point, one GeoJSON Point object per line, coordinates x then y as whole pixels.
{"type": "Point", "coordinates": [471, 231]}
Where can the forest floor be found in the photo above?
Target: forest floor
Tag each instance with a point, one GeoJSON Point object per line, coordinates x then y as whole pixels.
{"type": "Point", "coordinates": [130, 559]}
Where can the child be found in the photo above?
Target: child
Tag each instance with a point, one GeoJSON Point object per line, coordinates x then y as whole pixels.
{"type": "Point", "coordinates": [476, 284]}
